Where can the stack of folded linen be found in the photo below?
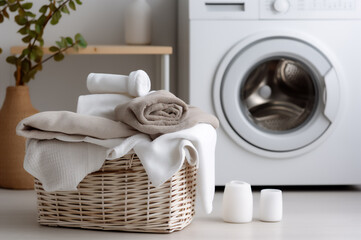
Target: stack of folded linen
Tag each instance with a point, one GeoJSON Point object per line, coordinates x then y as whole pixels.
{"type": "Point", "coordinates": [120, 116]}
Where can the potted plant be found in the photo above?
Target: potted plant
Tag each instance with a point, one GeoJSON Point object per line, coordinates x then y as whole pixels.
{"type": "Point", "coordinates": [17, 104]}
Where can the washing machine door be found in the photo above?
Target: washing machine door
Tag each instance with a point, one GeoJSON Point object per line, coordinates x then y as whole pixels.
{"type": "Point", "coordinates": [278, 94]}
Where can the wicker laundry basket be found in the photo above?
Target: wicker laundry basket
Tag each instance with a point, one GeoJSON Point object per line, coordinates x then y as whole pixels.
{"type": "Point", "coordinates": [119, 197]}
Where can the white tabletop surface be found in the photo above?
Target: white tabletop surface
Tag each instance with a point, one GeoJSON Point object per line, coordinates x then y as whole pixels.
{"type": "Point", "coordinates": [309, 213]}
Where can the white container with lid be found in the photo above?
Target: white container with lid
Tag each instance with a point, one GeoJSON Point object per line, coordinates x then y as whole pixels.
{"type": "Point", "coordinates": [237, 202]}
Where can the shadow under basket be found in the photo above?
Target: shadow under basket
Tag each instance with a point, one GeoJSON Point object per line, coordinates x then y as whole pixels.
{"type": "Point", "coordinates": [119, 197]}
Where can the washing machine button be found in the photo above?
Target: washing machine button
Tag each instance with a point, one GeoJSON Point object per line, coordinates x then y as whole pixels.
{"type": "Point", "coordinates": [281, 6]}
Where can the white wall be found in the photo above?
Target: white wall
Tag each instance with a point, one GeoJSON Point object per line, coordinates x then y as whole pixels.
{"type": "Point", "coordinates": [59, 84]}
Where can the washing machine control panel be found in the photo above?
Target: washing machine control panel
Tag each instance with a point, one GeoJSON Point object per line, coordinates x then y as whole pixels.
{"type": "Point", "coordinates": [310, 9]}
{"type": "Point", "coordinates": [275, 9]}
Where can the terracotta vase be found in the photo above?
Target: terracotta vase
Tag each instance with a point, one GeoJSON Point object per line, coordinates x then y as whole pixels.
{"type": "Point", "coordinates": [17, 106]}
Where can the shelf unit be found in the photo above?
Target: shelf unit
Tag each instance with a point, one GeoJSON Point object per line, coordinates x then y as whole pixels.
{"type": "Point", "coordinates": [162, 51]}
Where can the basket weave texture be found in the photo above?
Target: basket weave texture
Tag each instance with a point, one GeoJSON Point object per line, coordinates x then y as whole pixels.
{"type": "Point", "coordinates": [120, 197]}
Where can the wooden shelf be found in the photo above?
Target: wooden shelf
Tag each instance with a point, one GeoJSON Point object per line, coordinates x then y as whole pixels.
{"type": "Point", "coordinates": [162, 51]}
{"type": "Point", "coordinates": [109, 50]}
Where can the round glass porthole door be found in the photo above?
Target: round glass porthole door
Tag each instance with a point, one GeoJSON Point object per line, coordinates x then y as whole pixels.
{"type": "Point", "coordinates": [278, 94]}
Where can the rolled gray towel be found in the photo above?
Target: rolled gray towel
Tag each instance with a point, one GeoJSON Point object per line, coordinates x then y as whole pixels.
{"type": "Point", "coordinates": [161, 112]}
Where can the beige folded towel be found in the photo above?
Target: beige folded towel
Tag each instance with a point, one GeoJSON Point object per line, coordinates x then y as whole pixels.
{"type": "Point", "coordinates": [45, 125]}
{"type": "Point", "coordinates": [161, 112]}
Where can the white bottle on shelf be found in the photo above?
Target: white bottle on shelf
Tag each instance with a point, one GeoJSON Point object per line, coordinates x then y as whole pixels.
{"type": "Point", "coordinates": [138, 23]}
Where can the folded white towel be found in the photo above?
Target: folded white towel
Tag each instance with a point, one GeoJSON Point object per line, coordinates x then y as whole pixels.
{"type": "Point", "coordinates": [101, 105]}
{"type": "Point", "coordinates": [136, 84]}
{"type": "Point", "coordinates": [52, 163]}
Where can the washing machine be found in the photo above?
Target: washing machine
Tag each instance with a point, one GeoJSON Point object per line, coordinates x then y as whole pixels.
{"type": "Point", "coordinates": [284, 79]}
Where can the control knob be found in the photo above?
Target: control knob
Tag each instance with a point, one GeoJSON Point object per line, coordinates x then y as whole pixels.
{"type": "Point", "coordinates": [281, 6]}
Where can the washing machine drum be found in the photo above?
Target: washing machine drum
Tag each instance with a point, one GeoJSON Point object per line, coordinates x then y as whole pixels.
{"type": "Point", "coordinates": [278, 94]}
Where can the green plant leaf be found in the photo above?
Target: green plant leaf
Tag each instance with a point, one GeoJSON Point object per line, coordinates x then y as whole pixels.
{"type": "Point", "coordinates": [52, 7]}
{"type": "Point", "coordinates": [63, 42]}
{"type": "Point", "coordinates": [32, 34]}
{"type": "Point", "coordinates": [41, 20]}
{"type": "Point", "coordinates": [37, 28]}
{"type": "Point", "coordinates": [21, 12]}
{"type": "Point", "coordinates": [23, 30]}
{"type": "Point", "coordinates": [58, 57]}
{"type": "Point", "coordinates": [2, 2]}
{"type": "Point", "coordinates": [41, 41]}
{"type": "Point", "coordinates": [43, 9]}
{"type": "Point", "coordinates": [72, 5]}
{"type": "Point", "coordinates": [54, 21]}
{"type": "Point", "coordinates": [26, 39]}
{"type": "Point", "coordinates": [54, 49]}
{"type": "Point", "coordinates": [20, 20]}
{"type": "Point", "coordinates": [80, 40]}
{"type": "Point", "coordinates": [55, 18]}
{"type": "Point", "coordinates": [24, 79]}
{"type": "Point", "coordinates": [27, 5]}
{"type": "Point", "coordinates": [59, 44]}
{"type": "Point", "coordinates": [30, 14]}
{"type": "Point", "coordinates": [13, 7]}
{"type": "Point", "coordinates": [25, 52]}
{"type": "Point", "coordinates": [32, 73]}
{"type": "Point", "coordinates": [38, 51]}
{"type": "Point", "coordinates": [11, 59]}
{"type": "Point", "coordinates": [69, 41]}
{"type": "Point", "coordinates": [76, 47]}
{"type": "Point", "coordinates": [38, 59]}
{"type": "Point", "coordinates": [65, 9]}
{"type": "Point", "coordinates": [78, 2]}
{"type": "Point", "coordinates": [33, 55]}
{"type": "Point", "coordinates": [5, 13]}
{"type": "Point", "coordinates": [25, 66]}
{"type": "Point", "coordinates": [83, 44]}
{"type": "Point", "coordinates": [11, 1]}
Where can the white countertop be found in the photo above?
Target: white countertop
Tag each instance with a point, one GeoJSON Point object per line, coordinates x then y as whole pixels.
{"type": "Point", "coordinates": [309, 213]}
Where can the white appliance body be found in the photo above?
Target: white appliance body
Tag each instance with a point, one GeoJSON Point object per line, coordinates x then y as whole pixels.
{"type": "Point", "coordinates": [269, 135]}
